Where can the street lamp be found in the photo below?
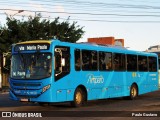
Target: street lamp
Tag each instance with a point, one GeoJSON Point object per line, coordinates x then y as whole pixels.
{"type": "Point", "coordinates": [11, 17]}
{"type": "Point", "coordinates": [19, 11]}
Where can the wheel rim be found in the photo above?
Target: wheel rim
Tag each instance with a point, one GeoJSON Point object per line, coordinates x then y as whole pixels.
{"type": "Point", "coordinates": [134, 92]}
{"type": "Point", "coordinates": [78, 98]}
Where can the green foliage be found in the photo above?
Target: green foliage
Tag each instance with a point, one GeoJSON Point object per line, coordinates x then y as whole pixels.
{"type": "Point", "coordinates": [35, 29]}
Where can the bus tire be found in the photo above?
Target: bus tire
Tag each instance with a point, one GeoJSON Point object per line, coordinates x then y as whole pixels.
{"type": "Point", "coordinates": [133, 92]}
{"type": "Point", "coordinates": [79, 98]}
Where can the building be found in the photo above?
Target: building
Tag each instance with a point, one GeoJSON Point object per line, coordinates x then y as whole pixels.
{"type": "Point", "coordinates": [107, 41]}
{"type": "Point", "coordinates": [3, 75]}
{"type": "Point", "coordinates": [155, 48]}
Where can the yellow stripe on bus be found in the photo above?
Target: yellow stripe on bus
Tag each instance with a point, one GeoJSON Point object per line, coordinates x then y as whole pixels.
{"type": "Point", "coordinates": [35, 41]}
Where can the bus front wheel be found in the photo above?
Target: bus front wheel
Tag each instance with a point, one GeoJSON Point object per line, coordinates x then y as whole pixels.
{"type": "Point", "coordinates": [79, 98]}
{"type": "Point", "coordinates": [133, 92]}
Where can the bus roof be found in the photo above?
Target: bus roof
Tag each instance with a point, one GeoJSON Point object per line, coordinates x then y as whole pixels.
{"type": "Point", "coordinates": [92, 46]}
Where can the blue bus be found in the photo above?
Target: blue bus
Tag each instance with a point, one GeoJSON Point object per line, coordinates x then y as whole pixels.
{"type": "Point", "coordinates": [51, 71]}
{"type": "Point", "coordinates": [158, 53]}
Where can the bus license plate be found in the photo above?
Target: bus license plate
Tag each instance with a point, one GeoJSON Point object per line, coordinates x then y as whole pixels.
{"type": "Point", "coordinates": [24, 100]}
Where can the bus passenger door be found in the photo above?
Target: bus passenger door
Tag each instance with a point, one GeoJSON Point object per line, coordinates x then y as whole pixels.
{"type": "Point", "coordinates": [62, 62]}
{"type": "Point", "coordinates": [61, 70]}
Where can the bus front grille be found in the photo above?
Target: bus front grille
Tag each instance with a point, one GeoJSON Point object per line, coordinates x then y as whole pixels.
{"type": "Point", "coordinates": [26, 86]}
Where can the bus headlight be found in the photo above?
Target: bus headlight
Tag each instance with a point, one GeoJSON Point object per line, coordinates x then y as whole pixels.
{"type": "Point", "coordinates": [46, 88]}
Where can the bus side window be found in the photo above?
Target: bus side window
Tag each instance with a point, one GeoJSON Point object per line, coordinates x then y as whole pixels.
{"type": "Point", "coordinates": [105, 61]}
{"type": "Point", "coordinates": [152, 64]}
{"type": "Point", "coordinates": [119, 62]}
{"type": "Point", "coordinates": [77, 60]}
{"type": "Point", "coordinates": [142, 63]}
{"type": "Point", "coordinates": [94, 61]}
{"type": "Point", "coordinates": [89, 60]}
{"type": "Point", "coordinates": [131, 62]}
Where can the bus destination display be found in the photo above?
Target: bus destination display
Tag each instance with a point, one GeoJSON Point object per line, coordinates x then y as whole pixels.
{"type": "Point", "coordinates": [29, 47]}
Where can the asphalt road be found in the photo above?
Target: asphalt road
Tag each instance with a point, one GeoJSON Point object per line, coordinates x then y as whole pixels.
{"type": "Point", "coordinates": [144, 106]}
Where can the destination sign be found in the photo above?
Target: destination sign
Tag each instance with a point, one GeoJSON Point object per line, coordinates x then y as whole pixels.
{"type": "Point", "coordinates": [29, 47]}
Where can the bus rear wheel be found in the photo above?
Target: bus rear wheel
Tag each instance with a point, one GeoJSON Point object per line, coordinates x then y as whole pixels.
{"type": "Point", "coordinates": [133, 92]}
{"type": "Point", "coordinates": [79, 98]}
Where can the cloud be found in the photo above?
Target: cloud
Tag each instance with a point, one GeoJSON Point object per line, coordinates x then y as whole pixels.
{"type": "Point", "coordinates": [59, 8]}
{"type": "Point", "coordinates": [37, 7]}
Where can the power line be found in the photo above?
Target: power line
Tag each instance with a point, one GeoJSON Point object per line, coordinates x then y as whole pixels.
{"type": "Point", "coordinates": [103, 4]}
{"type": "Point", "coordinates": [86, 4]}
{"type": "Point", "coordinates": [116, 21]}
{"type": "Point", "coordinates": [91, 8]}
{"type": "Point", "coordinates": [98, 20]}
{"type": "Point", "coordinates": [93, 14]}
{"type": "Point", "coordinates": [119, 12]}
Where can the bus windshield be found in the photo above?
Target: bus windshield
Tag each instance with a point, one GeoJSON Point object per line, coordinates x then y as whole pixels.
{"type": "Point", "coordinates": [31, 66]}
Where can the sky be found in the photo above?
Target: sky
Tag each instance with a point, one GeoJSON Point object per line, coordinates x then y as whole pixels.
{"type": "Point", "coordinates": [135, 21]}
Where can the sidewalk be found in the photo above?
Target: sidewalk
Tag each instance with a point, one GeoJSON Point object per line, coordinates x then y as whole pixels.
{"type": "Point", "coordinates": [4, 89]}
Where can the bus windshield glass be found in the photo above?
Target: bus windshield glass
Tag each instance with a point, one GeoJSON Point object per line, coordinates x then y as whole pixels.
{"type": "Point", "coordinates": [31, 66]}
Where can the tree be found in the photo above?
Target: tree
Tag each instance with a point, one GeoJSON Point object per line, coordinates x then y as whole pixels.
{"type": "Point", "coordinates": [35, 29]}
